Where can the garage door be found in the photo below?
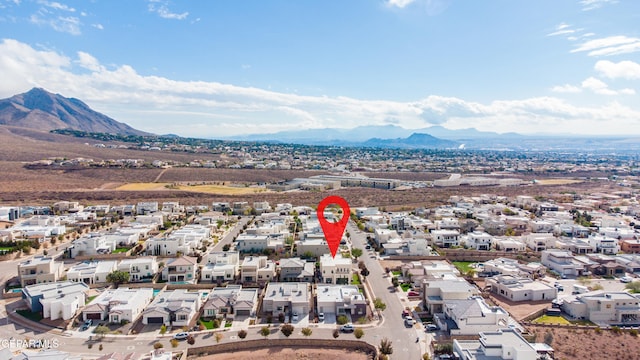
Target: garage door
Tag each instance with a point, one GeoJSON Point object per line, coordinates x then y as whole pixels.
{"type": "Point", "coordinates": [243, 312]}
{"type": "Point", "coordinates": [93, 316]}
{"type": "Point", "coordinates": [155, 320]}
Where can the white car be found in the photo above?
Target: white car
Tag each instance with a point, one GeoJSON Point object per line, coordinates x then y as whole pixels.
{"type": "Point", "coordinates": [295, 316]}
{"type": "Point", "coordinates": [409, 322]}
{"type": "Point", "coordinates": [181, 336]}
{"type": "Point", "coordinates": [321, 317]}
{"type": "Point", "coordinates": [626, 279]}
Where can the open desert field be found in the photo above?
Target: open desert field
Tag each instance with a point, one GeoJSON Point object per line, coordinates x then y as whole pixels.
{"type": "Point", "coordinates": [558, 181]}
{"type": "Point", "coordinates": [205, 189]}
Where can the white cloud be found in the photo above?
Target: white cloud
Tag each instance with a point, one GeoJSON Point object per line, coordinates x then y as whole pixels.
{"type": "Point", "coordinates": [566, 88]}
{"type": "Point", "coordinates": [204, 109]}
{"type": "Point", "coordinates": [66, 24]}
{"type": "Point", "coordinates": [588, 5]}
{"type": "Point", "coordinates": [613, 45]}
{"type": "Point", "coordinates": [624, 69]}
{"type": "Point", "coordinates": [399, 3]}
{"type": "Point", "coordinates": [98, 26]}
{"type": "Point", "coordinates": [597, 86]}
{"type": "Point", "coordinates": [162, 9]}
{"type": "Point", "coordinates": [56, 5]}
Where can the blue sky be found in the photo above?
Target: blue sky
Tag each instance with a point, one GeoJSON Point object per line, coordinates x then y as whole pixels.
{"type": "Point", "coordinates": [221, 68]}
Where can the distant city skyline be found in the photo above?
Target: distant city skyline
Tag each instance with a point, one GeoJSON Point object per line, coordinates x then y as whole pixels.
{"type": "Point", "coordinates": [222, 68]}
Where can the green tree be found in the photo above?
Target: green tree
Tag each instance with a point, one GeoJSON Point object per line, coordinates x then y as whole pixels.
{"type": "Point", "coordinates": [265, 331]}
{"type": "Point", "coordinates": [118, 277]}
{"type": "Point", "coordinates": [287, 329]}
{"type": "Point", "coordinates": [379, 304]}
{"type": "Point", "coordinates": [358, 333]}
{"type": "Point", "coordinates": [356, 252]}
{"type": "Point", "coordinates": [633, 287]}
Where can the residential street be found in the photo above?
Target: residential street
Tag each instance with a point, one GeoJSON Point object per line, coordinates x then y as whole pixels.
{"type": "Point", "coordinates": [391, 326]}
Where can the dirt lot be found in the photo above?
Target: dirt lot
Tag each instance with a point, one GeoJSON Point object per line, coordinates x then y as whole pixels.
{"type": "Point", "coordinates": [571, 343]}
{"type": "Point", "coordinates": [289, 354]}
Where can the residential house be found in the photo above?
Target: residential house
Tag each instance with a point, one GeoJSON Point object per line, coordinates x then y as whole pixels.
{"type": "Point", "coordinates": [445, 238]}
{"type": "Point", "coordinates": [287, 298]}
{"type": "Point", "coordinates": [561, 262]}
{"type": "Point", "coordinates": [144, 208]}
{"type": "Point", "coordinates": [503, 344]}
{"type": "Point", "coordinates": [471, 316]}
{"type": "Point", "coordinates": [181, 270]}
{"type": "Point", "coordinates": [297, 270]}
{"type": "Point", "coordinates": [59, 300]}
{"type": "Point", "coordinates": [521, 289]}
{"type": "Point", "coordinates": [630, 246]}
{"type": "Point", "coordinates": [257, 269]}
{"type": "Point", "coordinates": [438, 292]}
{"type": "Point", "coordinates": [186, 240]}
{"type": "Point", "coordinates": [540, 241]}
{"type": "Point", "coordinates": [173, 308]}
{"type": "Point", "coordinates": [91, 272]}
{"type": "Point", "coordinates": [604, 308]}
{"type": "Point", "coordinates": [335, 270]}
{"type": "Point", "coordinates": [510, 244]}
{"type": "Point", "coordinates": [478, 240]}
{"type": "Point", "coordinates": [230, 301]}
{"type": "Point", "coordinates": [118, 305]}
{"type": "Point", "coordinates": [336, 300]}
{"type": "Point", "coordinates": [383, 236]}
{"type": "Point", "coordinates": [312, 246]}
{"type": "Point", "coordinates": [39, 269]}
{"type": "Point", "coordinates": [220, 266]}
{"type": "Point", "coordinates": [140, 269]}
{"type": "Point", "coordinates": [604, 244]}
{"type": "Point", "coordinates": [253, 243]}
{"type": "Point", "coordinates": [631, 262]}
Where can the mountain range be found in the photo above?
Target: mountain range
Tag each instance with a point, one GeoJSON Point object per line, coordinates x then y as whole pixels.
{"type": "Point", "coordinates": [41, 110]}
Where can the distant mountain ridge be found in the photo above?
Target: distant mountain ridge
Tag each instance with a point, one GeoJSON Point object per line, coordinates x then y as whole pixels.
{"type": "Point", "coordinates": [41, 110]}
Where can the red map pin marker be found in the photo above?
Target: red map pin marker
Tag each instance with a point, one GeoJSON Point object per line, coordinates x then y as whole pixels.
{"type": "Point", "coordinates": [333, 231]}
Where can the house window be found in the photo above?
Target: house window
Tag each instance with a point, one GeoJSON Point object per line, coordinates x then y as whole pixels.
{"type": "Point", "coordinates": [114, 318]}
{"type": "Point", "coordinates": [182, 317]}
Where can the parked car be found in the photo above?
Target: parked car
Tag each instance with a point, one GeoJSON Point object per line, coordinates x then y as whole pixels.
{"type": "Point", "coordinates": [321, 317]}
{"type": "Point", "coordinates": [405, 313]}
{"type": "Point", "coordinates": [86, 325]}
{"type": "Point", "coordinates": [413, 293]}
{"type": "Point", "coordinates": [432, 327]}
{"type": "Point", "coordinates": [295, 316]}
{"type": "Point", "coordinates": [368, 247]}
{"type": "Point", "coordinates": [347, 328]}
{"type": "Point", "coordinates": [181, 336]}
{"type": "Point", "coordinates": [626, 279]}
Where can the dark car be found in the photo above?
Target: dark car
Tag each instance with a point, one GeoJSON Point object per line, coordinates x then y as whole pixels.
{"type": "Point", "coordinates": [86, 325]}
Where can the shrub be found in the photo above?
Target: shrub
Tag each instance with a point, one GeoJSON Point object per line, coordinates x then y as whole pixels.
{"type": "Point", "coordinates": [306, 332]}
{"type": "Point", "coordinates": [269, 319]}
{"type": "Point", "coordinates": [264, 331]}
{"type": "Point", "coordinates": [426, 356]}
{"type": "Point", "coordinates": [174, 343]}
{"type": "Point", "coordinates": [281, 317]}
{"type": "Point", "coordinates": [242, 334]}
{"type": "Point", "coordinates": [163, 329]}
{"type": "Point", "coordinates": [616, 330]}
{"type": "Point", "coordinates": [342, 319]}
{"type": "Point", "coordinates": [219, 337]}
{"type": "Point", "coordinates": [336, 333]}
{"type": "Point", "coordinates": [191, 340]}
{"type": "Point", "coordinates": [633, 332]}
{"type": "Point", "coordinates": [158, 345]}
{"type": "Point", "coordinates": [358, 333]}
{"type": "Point", "coordinates": [100, 347]}
{"type": "Point", "coordinates": [287, 329]}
